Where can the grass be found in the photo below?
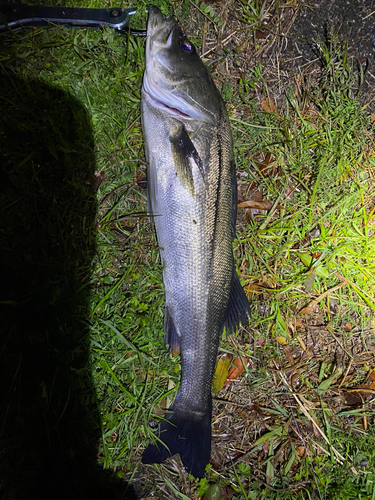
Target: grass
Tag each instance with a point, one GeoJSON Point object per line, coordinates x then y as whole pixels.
{"type": "Point", "coordinates": [86, 368]}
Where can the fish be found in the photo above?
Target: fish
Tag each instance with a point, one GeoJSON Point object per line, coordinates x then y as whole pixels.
{"type": "Point", "coordinates": [192, 199]}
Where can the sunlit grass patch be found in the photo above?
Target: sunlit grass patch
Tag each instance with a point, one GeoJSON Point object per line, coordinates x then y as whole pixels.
{"type": "Point", "coordinates": [306, 257]}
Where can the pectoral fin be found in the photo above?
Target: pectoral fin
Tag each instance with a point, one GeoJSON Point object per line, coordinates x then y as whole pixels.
{"type": "Point", "coordinates": [182, 150]}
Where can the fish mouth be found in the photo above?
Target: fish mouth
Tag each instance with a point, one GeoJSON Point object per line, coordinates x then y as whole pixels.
{"type": "Point", "coordinates": [173, 112]}
{"type": "Point", "coordinates": [167, 101]}
{"type": "Point", "coordinates": [155, 19]}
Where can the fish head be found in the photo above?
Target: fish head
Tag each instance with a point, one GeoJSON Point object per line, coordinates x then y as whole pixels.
{"type": "Point", "coordinates": [175, 80]}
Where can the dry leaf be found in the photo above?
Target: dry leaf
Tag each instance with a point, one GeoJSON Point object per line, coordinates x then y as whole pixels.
{"type": "Point", "coordinates": [310, 309]}
{"type": "Point", "coordinates": [352, 398]}
{"type": "Point", "coordinates": [253, 287]}
{"type": "Point", "coordinates": [241, 48]}
{"type": "Point", "coordinates": [359, 394]}
{"type": "Point", "coordinates": [263, 165]}
{"type": "Point", "coordinates": [307, 239]}
{"type": "Point", "coordinates": [96, 179]}
{"type": "Point", "coordinates": [302, 343]}
{"type": "Point", "coordinates": [114, 436]}
{"type": "Point", "coordinates": [236, 370]}
{"type": "Point", "coordinates": [260, 34]}
{"type": "Point", "coordinates": [281, 340]}
{"type": "Point", "coordinates": [214, 492]}
{"type": "Point", "coordinates": [300, 451]}
{"type": "Point", "coordinates": [268, 105]}
{"type": "Point", "coordinates": [256, 195]}
{"type": "Point", "coordinates": [215, 462]}
{"type": "Point", "coordinates": [221, 372]}
{"type": "Point", "coordinates": [260, 205]}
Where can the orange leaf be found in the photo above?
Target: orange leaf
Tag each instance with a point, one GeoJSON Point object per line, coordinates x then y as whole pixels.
{"type": "Point", "coordinates": [236, 370]}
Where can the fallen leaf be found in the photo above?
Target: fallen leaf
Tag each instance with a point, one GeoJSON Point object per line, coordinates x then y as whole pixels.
{"type": "Point", "coordinates": [281, 340]}
{"type": "Point", "coordinates": [300, 451]}
{"type": "Point", "coordinates": [357, 395]}
{"type": "Point", "coordinates": [213, 493]}
{"type": "Point", "coordinates": [256, 195]}
{"type": "Point", "coordinates": [268, 105]}
{"type": "Point", "coordinates": [215, 463]}
{"type": "Point", "coordinates": [142, 183]}
{"type": "Point", "coordinates": [237, 369]}
{"type": "Point", "coordinates": [241, 48]}
{"type": "Point", "coordinates": [221, 372]}
{"type": "Point", "coordinates": [114, 436]}
{"type": "Point", "coordinates": [260, 205]}
{"type": "Point", "coordinates": [259, 35]}
{"type": "Point", "coordinates": [233, 455]}
{"type": "Point", "coordinates": [289, 192]}
{"type": "Point", "coordinates": [310, 308]}
{"type": "Point", "coordinates": [96, 179]}
{"type": "Point", "coordinates": [314, 304]}
{"type": "Point", "coordinates": [353, 398]}
{"type": "Point", "coordinates": [302, 344]}
{"type": "Point", "coordinates": [252, 289]}
{"type": "Point", "coordinates": [263, 165]}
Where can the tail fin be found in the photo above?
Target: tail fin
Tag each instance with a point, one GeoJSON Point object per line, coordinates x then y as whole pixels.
{"type": "Point", "coordinates": [183, 434]}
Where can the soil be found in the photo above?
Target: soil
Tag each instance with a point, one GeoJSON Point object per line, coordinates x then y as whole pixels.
{"type": "Point", "coordinates": [353, 21]}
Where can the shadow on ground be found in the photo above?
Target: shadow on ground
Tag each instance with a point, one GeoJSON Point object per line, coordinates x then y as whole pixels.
{"type": "Point", "coordinates": [49, 426]}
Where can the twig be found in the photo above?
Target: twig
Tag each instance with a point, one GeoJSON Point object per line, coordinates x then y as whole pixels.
{"type": "Point", "coordinates": [222, 44]}
{"type": "Point", "coordinates": [338, 456]}
{"type": "Point", "coordinates": [316, 301]}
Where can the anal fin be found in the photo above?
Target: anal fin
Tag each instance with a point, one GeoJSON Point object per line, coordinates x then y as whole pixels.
{"type": "Point", "coordinates": [238, 310]}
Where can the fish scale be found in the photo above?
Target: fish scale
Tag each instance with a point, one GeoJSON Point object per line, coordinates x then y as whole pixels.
{"type": "Point", "coordinates": [192, 197]}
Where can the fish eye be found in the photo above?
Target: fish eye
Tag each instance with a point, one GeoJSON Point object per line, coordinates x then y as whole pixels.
{"type": "Point", "coordinates": [186, 46]}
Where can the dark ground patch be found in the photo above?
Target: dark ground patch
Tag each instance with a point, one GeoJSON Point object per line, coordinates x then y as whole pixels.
{"type": "Point", "coordinates": [353, 21]}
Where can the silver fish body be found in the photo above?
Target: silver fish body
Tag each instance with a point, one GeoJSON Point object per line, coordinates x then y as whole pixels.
{"type": "Point", "coordinates": [192, 198]}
